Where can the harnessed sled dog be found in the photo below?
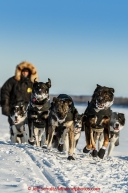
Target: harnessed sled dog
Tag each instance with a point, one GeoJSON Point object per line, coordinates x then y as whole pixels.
{"type": "Point", "coordinates": [19, 124]}
{"type": "Point", "coordinates": [97, 119]}
{"type": "Point", "coordinates": [117, 123]}
{"type": "Point", "coordinates": [64, 140]}
{"type": "Point", "coordinates": [61, 122]}
{"type": "Point", "coordinates": [38, 111]}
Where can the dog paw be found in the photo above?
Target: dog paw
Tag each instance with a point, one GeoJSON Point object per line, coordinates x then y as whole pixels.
{"type": "Point", "coordinates": [117, 142]}
{"type": "Point", "coordinates": [94, 153]}
{"type": "Point", "coordinates": [85, 150]}
{"type": "Point", "coordinates": [60, 147]}
{"type": "Point", "coordinates": [101, 153]}
{"type": "Point", "coordinates": [70, 158]}
{"type": "Point", "coordinates": [31, 142]}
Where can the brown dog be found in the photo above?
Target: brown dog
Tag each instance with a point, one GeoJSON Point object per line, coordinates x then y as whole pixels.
{"type": "Point", "coordinates": [97, 119]}
{"type": "Point", "coordinates": [77, 133]}
{"type": "Point", "coordinates": [60, 122]}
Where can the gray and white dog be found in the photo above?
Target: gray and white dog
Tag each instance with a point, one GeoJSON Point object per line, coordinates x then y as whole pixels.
{"type": "Point", "coordinates": [117, 123]}
{"type": "Point", "coordinates": [19, 127]}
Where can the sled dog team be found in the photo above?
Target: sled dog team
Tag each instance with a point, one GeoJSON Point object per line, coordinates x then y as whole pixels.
{"type": "Point", "coordinates": [57, 123]}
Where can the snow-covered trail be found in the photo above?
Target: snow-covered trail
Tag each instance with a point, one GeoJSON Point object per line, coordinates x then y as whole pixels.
{"type": "Point", "coordinates": [23, 167]}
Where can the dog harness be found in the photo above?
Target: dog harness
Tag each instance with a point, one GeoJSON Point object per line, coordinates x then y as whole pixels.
{"type": "Point", "coordinates": [68, 117]}
{"type": "Point", "coordinates": [92, 110]}
{"type": "Point", "coordinates": [38, 109]}
{"type": "Point", "coordinates": [112, 133]}
{"type": "Point", "coordinates": [60, 128]}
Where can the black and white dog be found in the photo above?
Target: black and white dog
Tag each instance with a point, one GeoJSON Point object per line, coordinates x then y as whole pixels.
{"type": "Point", "coordinates": [19, 126]}
{"type": "Point", "coordinates": [38, 111]}
{"type": "Point", "coordinates": [117, 123]}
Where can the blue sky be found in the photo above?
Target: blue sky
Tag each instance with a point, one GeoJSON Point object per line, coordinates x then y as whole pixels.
{"type": "Point", "coordinates": [75, 43]}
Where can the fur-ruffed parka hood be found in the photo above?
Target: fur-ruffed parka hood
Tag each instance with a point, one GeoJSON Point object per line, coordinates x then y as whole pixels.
{"type": "Point", "coordinates": [31, 67]}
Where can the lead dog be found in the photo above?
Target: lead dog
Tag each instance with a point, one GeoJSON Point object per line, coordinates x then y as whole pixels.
{"type": "Point", "coordinates": [61, 121]}
{"type": "Point", "coordinates": [117, 123]}
{"type": "Point", "coordinates": [97, 118]}
{"type": "Point", "coordinates": [19, 126]}
{"type": "Point", "coordinates": [38, 111]}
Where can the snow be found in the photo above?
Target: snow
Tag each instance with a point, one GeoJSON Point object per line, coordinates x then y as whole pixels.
{"type": "Point", "coordinates": [27, 169]}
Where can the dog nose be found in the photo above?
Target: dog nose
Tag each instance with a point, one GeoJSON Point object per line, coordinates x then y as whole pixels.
{"type": "Point", "coordinates": [117, 125]}
{"type": "Point", "coordinates": [100, 98]}
{"type": "Point", "coordinates": [15, 117]}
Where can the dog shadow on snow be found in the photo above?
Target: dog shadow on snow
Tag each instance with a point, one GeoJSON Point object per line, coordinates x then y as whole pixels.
{"type": "Point", "coordinates": [122, 157]}
{"type": "Point", "coordinates": [125, 158]}
{"type": "Point", "coordinates": [20, 145]}
{"type": "Point", "coordinates": [3, 143]}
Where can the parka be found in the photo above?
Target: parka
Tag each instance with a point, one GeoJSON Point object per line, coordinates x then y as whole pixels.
{"type": "Point", "coordinates": [18, 88]}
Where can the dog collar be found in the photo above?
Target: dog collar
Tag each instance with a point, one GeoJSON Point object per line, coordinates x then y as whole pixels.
{"type": "Point", "coordinates": [77, 130]}
{"type": "Point", "coordinates": [57, 119]}
{"type": "Point", "coordinates": [60, 120]}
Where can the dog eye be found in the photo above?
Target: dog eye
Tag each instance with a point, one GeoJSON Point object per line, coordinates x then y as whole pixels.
{"type": "Point", "coordinates": [119, 119]}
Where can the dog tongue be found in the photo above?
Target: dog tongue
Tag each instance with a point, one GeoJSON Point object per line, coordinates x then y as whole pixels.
{"type": "Point", "coordinates": [34, 99]}
{"type": "Point", "coordinates": [116, 128]}
{"type": "Point", "coordinates": [100, 105]}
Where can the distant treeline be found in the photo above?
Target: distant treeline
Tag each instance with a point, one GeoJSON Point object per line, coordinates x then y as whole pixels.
{"type": "Point", "coordinates": [84, 99]}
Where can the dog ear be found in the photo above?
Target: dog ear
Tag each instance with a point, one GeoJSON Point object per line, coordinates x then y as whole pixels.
{"type": "Point", "coordinates": [69, 102]}
{"type": "Point", "coordinates": [112, 90]}
{"type": "Point", "coordinates": [122, 117]}
{"type": "Point", "coordinates": [55, 99]}
{"type": "Point", "coordinates": [82, 115]}
{"type": "Point", "coordinates": [79, 116]}
{"type": "Point", "coordinates": [35, 80]}
{"type": "Point", "coordinates": [48, 83]}
{"type": "Point", "coordinates": [98, 85]}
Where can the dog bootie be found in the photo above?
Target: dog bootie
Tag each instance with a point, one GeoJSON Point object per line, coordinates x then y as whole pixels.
{"type": "Point", "coordinates": [94, 153]}
{"type": "Point", "coordinates": [60, 147]}
{"type": "Point", "coordinates": [85, 150]}
{"type": "Point", "coordinates": [31, 142]}
{"type": "Point", "coordinates": [70, 157]}
{"type": "Point", "coordinates": [101, 153]}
